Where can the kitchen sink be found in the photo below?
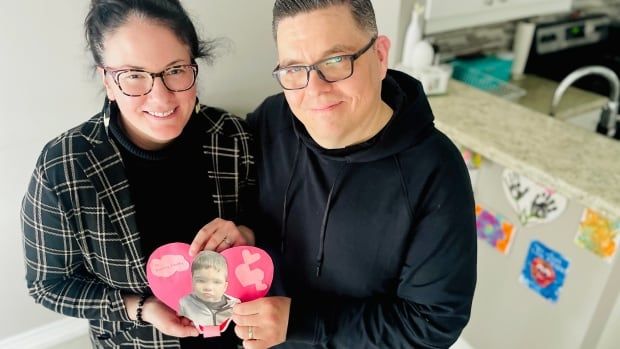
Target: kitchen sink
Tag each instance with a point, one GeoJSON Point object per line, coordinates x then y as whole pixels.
{"type": "Point", "coordinates": [587, 120]}
{"type": "Point", "coordinates": [578, 107]}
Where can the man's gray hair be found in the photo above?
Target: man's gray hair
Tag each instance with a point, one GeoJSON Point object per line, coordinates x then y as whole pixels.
{"type": "Point", "coordinates": [210, 259]}
{"type": "Point", "coordinates": [362, 12]}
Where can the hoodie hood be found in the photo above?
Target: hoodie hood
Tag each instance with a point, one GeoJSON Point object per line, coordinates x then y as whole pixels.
{"type": "Point", "coordinates": [411, 121]}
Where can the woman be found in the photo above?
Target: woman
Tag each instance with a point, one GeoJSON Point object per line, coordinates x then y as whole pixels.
{"type": "Point", "coordinates": [153, 167]}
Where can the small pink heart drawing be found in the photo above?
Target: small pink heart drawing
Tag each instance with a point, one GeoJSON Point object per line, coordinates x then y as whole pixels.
{"type": "Point", "coordinates": [249, 277]}
{"type": "Point", "coordinates": [253, 271]}
{"type": "Point", "coordinates": [249, 257]}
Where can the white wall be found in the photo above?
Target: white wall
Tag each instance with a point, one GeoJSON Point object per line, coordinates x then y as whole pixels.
{"type": "Point", "coordinates": [610, 337]}
{"type": "Point", "coordinates": [391, 22]}
{"type": "Point", "coordinates": [48, 86]}
{"type": "Point", "coordinates": [44, 90]}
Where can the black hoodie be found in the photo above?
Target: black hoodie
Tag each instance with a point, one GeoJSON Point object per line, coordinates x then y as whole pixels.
{"type": "Point", "coordinates": [375, 243]}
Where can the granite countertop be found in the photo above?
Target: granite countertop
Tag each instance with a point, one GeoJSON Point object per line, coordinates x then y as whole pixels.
{"type": "Point", "coordinates": [580, 164]}
{"type": "Point", "coordinates": [540, 93]}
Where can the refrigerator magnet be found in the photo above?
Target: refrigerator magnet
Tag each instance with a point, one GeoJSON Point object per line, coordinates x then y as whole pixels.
{"type": "Point", "coordinates": [544, 271]}
{"type": "Point", "coordinates": [533, 203]}
{"type": "Point", "coordinates": [598, 234]}
{"type": "Point", "coordinates": [495, 229]}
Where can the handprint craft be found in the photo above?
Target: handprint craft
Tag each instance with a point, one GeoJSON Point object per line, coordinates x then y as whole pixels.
{"type": "Point", "coordinates": [512, 180]}
{"type": "Point", "coordinates": [532, 202]}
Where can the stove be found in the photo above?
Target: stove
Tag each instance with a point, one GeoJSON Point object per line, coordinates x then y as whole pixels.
{"type": "Point", "coordinates": [561, 46]}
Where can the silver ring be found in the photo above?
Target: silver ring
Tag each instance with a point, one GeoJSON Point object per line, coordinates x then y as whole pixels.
{"type": "Point", "coordinates": [225, 240]}
{"type": "Point", "coordinates": [250, 333]}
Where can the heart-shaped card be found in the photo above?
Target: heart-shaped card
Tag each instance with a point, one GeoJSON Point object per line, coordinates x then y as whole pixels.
{"type": "Point", "coordinates": [205, 288]}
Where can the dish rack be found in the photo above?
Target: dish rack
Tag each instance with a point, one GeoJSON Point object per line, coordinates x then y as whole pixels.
{"type": "Point", "coordinates": [486, 82]}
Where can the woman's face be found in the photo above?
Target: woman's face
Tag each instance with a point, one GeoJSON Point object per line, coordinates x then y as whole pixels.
{"type": "Point", "coordinates": [155, 119]}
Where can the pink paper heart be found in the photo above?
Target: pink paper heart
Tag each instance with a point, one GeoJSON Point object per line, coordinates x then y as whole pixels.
{"type": "Point", "coordinates": [253, 271]}
{"type": "Point", "coordinates": [250, 273]}
{"type": "Point", "coordinates": [168, 280]}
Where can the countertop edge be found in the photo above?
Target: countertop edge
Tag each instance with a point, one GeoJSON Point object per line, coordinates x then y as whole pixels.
{"type": "Point", "coordinates": [534, 173]}
{"type": "Point", "coordinates": [570, 160]}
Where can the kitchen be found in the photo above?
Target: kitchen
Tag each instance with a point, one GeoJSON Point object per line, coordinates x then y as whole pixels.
{"type": "Point", "coordinates": [532, 101]}
{"type": "Point", "coordinates": [505, 132]}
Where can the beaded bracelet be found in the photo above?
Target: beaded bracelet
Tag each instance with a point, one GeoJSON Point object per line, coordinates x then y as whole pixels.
{"type": "Point", "coordinates": [139, 310]}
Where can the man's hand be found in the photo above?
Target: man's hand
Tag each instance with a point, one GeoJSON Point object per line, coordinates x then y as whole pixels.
{"type": "Point", "coordinates": [220, 234]}
{"type": "Point", "coordinates": [262, 323]}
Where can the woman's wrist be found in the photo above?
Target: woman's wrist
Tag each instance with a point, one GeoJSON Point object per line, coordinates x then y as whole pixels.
{"type": "Point", "coordinates": [140, 310]}
{"type": "Point", "coordinates": [134, 304]}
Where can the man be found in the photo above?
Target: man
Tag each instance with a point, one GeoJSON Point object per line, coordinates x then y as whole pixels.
{"type": "Point", "coordinates": [370, 207]}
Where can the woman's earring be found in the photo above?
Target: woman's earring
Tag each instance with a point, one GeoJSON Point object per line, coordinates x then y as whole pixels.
{"type": "Point", "coordinates": [106, 108]}
{"type": "Point", "coordinates": [106, 114]}
{"type": "Point", "coordinates": [197, 106]}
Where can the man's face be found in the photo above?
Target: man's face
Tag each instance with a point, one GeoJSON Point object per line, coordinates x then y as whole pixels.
{"type": "Point", "coordinates": [341, 113]}
{"type": "Point", "coordinates": [209, 284]}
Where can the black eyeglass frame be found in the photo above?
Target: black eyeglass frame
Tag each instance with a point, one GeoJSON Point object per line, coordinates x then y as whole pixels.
{"type": "Point", "coordinates": [315, 66]}
{"type": "Point", "coordinates": [116, 72]}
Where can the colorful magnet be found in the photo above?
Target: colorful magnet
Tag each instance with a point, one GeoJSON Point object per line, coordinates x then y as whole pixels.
{"type": "Point", "coordinates": [494, 229]}
{"type": "Point", "coordinates": [473, 161]}
{"type": "Point", "coordinates": [544, 271]}
{"type": "Point", "coordinates": [598, 234]}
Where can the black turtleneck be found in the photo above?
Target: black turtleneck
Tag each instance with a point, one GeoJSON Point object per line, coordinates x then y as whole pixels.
{"type": "Point", "coordinates": [172, 196]}
{"type": "Point", "coordinates": [169, 187]}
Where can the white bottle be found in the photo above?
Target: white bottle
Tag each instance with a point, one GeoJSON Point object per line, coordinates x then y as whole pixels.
{"type": "Point", "coordinates": [422, 55]}
{"type": "Point", "coordinates": [413, 34]}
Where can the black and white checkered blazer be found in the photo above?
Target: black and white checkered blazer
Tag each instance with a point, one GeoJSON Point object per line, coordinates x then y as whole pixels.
{"type": "Point", "coordinates": [80, 234]}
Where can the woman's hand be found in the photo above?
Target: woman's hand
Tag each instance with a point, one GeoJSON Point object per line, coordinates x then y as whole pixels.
{"type": "Point", "coordinates": [166, 320]}
{"type": "Point", "coordinates": [220, 234]}
{"type": "Point", "coordinates": [161, 317]}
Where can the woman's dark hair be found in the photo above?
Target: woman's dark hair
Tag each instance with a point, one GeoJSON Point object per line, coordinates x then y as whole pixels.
{"type": "Point", "coordinates": [106, 16]}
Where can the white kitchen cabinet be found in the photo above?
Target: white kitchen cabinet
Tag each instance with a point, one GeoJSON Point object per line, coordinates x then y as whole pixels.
{"type": "Point", "coordinates": [445, 15]}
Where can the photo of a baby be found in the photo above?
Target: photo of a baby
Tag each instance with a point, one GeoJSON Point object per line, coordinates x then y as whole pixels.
{"type": "Point", "coordinates": [207, 305]}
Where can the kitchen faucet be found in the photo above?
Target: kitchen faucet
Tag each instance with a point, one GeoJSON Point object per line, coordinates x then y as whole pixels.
{"type": "Point", "coordinates": [609, 115]}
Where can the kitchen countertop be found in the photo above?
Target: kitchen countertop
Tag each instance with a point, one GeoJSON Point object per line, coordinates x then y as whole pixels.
{"type": "Point", "coordinates": [540, 93]}
{"type": "Point", "coordinates": [581, 165]}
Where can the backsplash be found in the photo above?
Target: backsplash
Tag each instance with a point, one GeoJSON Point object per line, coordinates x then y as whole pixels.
{"type": "Point", "coordinates": [611, 7]}
{"type": "Point", "coordinates": [579, 3]}
{"type": "Point", "coordinates": [499, 37]}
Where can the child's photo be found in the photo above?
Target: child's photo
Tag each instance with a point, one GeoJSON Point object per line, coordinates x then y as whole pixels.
{"type": "Point", "coordinates": [207, 305]}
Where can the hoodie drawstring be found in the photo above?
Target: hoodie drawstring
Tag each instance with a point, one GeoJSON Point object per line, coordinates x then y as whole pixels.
{"type": "Point", "coordinates": [284, 209]}
{"type": "Point", "coordinates": [403, 184]}
{"type": "Point", "coordinates": [321, 253]}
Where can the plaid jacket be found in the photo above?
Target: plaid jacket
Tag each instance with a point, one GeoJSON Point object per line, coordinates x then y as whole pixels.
{"type": "Point", "coordinates": [81, 241]}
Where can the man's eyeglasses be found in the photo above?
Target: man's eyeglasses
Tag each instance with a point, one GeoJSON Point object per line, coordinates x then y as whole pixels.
{"type": "Point", "coordinates": [135, 82]}
{"type": "Point", "coordinates": [331, 69]}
